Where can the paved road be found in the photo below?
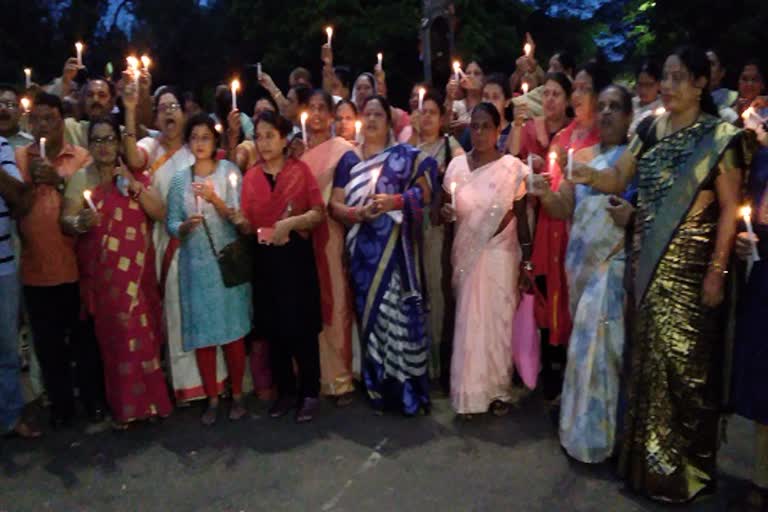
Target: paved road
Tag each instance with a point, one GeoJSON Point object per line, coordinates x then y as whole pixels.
{"type": "Point", "coordinates": [347, 460]}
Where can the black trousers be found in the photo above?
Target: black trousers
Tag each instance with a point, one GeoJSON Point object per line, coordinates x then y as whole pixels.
{"type": "Point", "coordinates": [61, 339]}
{"type": "Point", "coordinates": [305, 350]}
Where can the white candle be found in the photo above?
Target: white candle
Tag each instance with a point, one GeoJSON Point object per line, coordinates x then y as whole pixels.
{"type": "Point", "coordinates": [380, 56]}
{"type": "Point", "coordinates": [746, 213]}
{"type": "Point", "coordinates": [258, 70]}
{"type": "Point", "coordinates": [79, 49]}
{"type": "Point", "coordinates": [358, 129]}
{"type": "Point", "coordinates": [304, 117]}
{"type": "Point", "coordinates": [28, 75]}
{"type": "Point", "coordinates": [235, 87]}
{"type": "Point", "coordinates": [42, 147]}
{"type": "Point", "coordinates": [659, 111]}
{"type": "Point", "coordinates": [527, 49]}
{"type": "Point", "coordinates": [456, 70]}
{"type": "Point", "coordinates": [25, 103]}
{"type": "Point", "coordinates": [233, 184]}
{"type": "Point", "coordinates": [525, 88]}
{"type": "Point", "coordinates": [87, 196]}
{"type": "Point", "coordinates": [529, 178]}
{"type": "Point", "coordinates": [146, 61]}
{"type": "Point", "coordinates": [570, 164]}
{"type": "Point", "coordinates": [552, 160]}
{"type": "Point", "coordinates": [329, 31]}
{"type": "Point", "coordinates": [453, 198]}
{"type": "Point", "coordinates": [422, 92]}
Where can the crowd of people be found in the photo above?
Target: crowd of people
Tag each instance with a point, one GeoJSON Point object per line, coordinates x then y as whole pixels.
{"type": "Point", "coordinates": [549, 229]}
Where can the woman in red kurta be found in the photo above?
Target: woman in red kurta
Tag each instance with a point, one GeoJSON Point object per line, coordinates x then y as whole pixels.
{"type": "Point", "coordinates": [551, 239]}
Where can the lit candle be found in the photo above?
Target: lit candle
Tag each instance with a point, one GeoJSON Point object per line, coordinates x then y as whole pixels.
{"type": "Point", "coordinates": [746, 213]}
{"type": "Point", "coordinates": [570, 164]}
{"type": "Point", "coordinates": [235, 87]}
{"type": "Point", "coordinates": [304, 117]}
{"type": "Point", "coordinates": [42, 147]}
{"type": "Point", "coordinates": [25, 105]}
{"type": "Point", "coordinates": [146, 62]}
{"type": "Point", "coordinates": [329, 31]}
{"type": "Point", "coordinates": [258, 70]}
{"type": "Point", "coordinates": [552, 161]}
{"type": "Point", "coordinates": [456, 70]}
{"type": "Point", "coordinates": [218, 127]}
{"type": "Point", "coordinates": [453, 198]}
{"type": "Point", "coordinates": [133, 67]}
{"type": "Point", "coordinates": [79, 49]}
{"type": "Point", "coordinates": [750, 112]}
{"type": "Point", "coordinates": [527, 49]}
{"type": "Point", "coordinates": [659, 111]}
{"type": "Point", "coordinates": [358, 129]}
{"type": "Point", "coordinates": [28, 75]}
{"type": "Point", "coordinates": [422, 92]}
{"type": "Point", "coordinates": [380, 56]}
{"type": "Point", "coordinates": [525, 88]}
{"type": "Point", "coordinates": [87, 196]}
{"type": "Point", "coordinates": [233, 183]}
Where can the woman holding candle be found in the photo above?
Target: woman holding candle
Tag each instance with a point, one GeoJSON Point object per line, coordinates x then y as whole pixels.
{"type": "Point", "coordinates": [283, 206]}
{"type": "Point", "coordinates": [551, 239]}
{"type": "Point", "coordinates": [750, 361]}
{"type": "Point", "coordinates": [427, 123]}
{"type": "Point", "coordinates": [118, 283]}
{"type": "Point", "coordinates": [689, 166]}
{"type": "Point", "coordinates": [382, 198]}
{"type": "Point", "coordinates": [322, 156]}
{"type": "Point", "coordinates": [470, 85]}
{"type": "Point", "coordinates": [346, 119]}
{"type": "Point", "coordinates": [490, 231]}
{"type": "Point", "coordinates": [201, 200]}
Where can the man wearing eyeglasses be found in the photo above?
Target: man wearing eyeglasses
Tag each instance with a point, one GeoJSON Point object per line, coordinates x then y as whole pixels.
{"type": "Point", "coordinates": [10, 114]}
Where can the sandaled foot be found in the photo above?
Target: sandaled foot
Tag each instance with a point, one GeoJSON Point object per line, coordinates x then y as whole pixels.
{"type": "Point", "coordinates": [25, 430]}
{"type": "Point", "coordinates": [345, 400]}
{"type": "Point", "coordinates": [237, 411]}
{"type": "Point", "coordinates": [209, 416]}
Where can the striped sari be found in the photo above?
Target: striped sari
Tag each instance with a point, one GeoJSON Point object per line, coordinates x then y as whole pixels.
{"type": "Point", "coordinates": [387, 276]}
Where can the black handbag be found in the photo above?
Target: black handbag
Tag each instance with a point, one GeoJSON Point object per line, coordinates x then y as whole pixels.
{"type": "Point", "coordinates": [235, 259]}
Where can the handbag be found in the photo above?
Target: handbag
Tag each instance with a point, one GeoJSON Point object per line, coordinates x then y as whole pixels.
{"type": "Point", "coordinates": [526, 347]}
{"type": "Point", "coordinates": [235, 259]}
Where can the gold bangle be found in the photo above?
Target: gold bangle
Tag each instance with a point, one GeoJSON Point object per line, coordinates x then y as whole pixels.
{"type": "Point", "coordinates": [718, 267]}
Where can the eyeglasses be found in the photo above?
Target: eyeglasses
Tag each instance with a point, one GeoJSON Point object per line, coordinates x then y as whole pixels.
{"type": "Point", "coordinates": [109, 139]}
{"type": "Point", "coordinates": [9, 105]}
{"type": "Point", "coordinates": [169, 107]}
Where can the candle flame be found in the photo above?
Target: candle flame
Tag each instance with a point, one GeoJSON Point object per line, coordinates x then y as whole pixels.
{"type": "Point", "coordinates": [380, 56]}
{"type": "Point", "coordinates": [87, 194]}
{"type": "Point", "coordinates": [79, 46]}
{"type": "Point", "coordinates": [746, 212]}
{"type": "Point", "coordinates": [552, 157]}
{"type": "Point", "coordinates": [304, 117]}
{"type": "Point", "coordinates": [453, 187]}
{"type": "Point", "coordinates": [25, 104]}
{"type": "Point", "coordinates": [525, 87]}
{"type": "Point", "coordinates": [358, 126]}
{"type": "Point", "coordinates": [146, 61]}
{"type": "Point", "coordinates": [527, 49]}
{"type": "Point", "coordinates": [219, 128]}
{"type": "Point", "coordinates": [233, 180]}
{"type": "Point", "coordinates": [133, 62]}
{"type": "Point", "coordinates": [747, 113]}
{"type": "Point", "coordinates": [42, 141]}
{"type": "Point", "coordinates": [329, 31]}
{"type": "Point", "coordinates": [27, 71]}
{"type": "Point", "coordinates": [660, 111]}
{"type": "Point", "coordinates": [456, 66]}
{"type": "Point", "coordinates": [235, 84]}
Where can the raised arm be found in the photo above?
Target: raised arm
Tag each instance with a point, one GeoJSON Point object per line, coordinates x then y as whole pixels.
{"type": "Point", "coordinates": [135, 158]}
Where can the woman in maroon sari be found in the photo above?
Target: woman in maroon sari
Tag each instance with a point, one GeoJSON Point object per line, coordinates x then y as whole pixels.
{"type": "Point", "coordinates": [119, 286]}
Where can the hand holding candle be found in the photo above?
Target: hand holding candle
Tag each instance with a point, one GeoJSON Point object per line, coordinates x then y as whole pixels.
{"type": "Point", "coordinates": [456, 70]}
{"type": "Point", "coordinates": [304, 117]}
{"type": "Point", "coordinates": [422, 92]}
{"type": "Point", "coordinates": [380, 57]}
{"type": "Point", "coordinates": [146, 62]}
{"type": "Point", "coordinates": [25, 104]}
{"type": "Point", "coordinates": [87, 195]}
{"type": "Point", "coordinates": [746, 213]}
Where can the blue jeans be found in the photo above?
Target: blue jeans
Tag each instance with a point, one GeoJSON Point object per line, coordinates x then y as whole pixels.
{"type": "Point", "coordinates": [11, 401]}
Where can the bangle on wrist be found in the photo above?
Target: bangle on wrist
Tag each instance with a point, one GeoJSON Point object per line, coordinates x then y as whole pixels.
{"type": "Point", "coordinates": [718, 267]}
{"type": "Point", "coordinates": [353, 214]}
{"type": "Point", "coordinates": [399, 202]}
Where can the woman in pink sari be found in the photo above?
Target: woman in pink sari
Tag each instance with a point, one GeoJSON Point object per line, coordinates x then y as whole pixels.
{"type": "Point", "coordinates": [116, 253]}
{"type": "Point", "coordinates": [490, 217]}
{"type": "Point", "coordinates": [322, 157]}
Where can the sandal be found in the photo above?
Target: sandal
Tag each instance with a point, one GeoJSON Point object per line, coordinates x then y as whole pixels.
{"type": "Point", "coordinates": [209, 416]}
{"type": "Point", "coordinates": [238, 410]}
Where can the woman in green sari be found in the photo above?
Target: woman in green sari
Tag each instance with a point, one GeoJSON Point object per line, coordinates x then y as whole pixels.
{"type": "Point", "coordinates": [688, 168]}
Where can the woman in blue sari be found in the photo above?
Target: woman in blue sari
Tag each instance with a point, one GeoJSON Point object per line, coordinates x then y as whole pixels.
{"type": "Point", "coordinates": [381, 199]}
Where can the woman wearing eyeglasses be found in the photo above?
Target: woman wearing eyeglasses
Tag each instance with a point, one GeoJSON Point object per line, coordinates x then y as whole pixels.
{"type": "Point", "coordinates": [118, 284]}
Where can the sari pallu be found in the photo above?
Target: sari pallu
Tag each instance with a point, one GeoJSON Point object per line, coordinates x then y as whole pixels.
{"type": "Point", "coordinates": [594, 264]}
{"type": "Point", "coordinates": [671, 427]}
{"type": "Point", "coordinates": [125, 303]}
{"type": "Point", "coordinates": [386, 274]}
{"type": "Point", "coordinates": [485, 277]}
{"type": "Point", "coordinates": [336, 299]}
